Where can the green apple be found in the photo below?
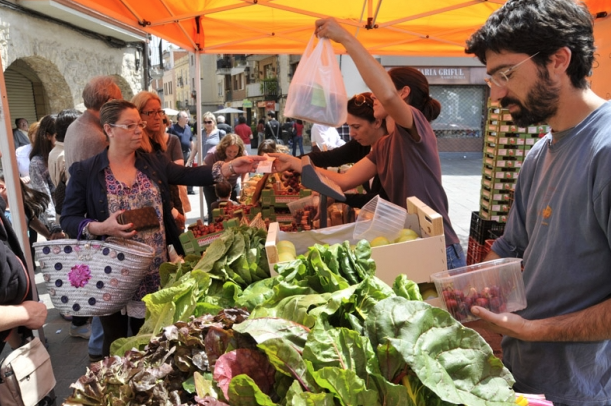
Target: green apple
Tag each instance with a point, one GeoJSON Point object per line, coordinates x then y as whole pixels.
{"type": "Point", "coordinates": [379, 241]}
{"type": "Point", "coordinates": [286, 246]}
{"type": "Point", "coordinates": [285, 256]}
{"type": "Point", "coordinates": [404, 238]}
{"type": "Point", "coordinates": [429, 294]}
{"type": "Point", "coordinates": [408, 232]}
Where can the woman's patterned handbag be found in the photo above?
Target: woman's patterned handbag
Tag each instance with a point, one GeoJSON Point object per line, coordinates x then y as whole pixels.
{"type": "Point", "coordinates": [92, 277]}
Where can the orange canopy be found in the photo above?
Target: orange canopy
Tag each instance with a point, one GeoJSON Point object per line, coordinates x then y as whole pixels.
{"type": "Point", "coordinates": [386, 27]}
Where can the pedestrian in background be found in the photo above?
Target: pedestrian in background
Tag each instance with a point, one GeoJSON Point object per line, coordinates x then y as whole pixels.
{"type": "Point", "coordinates": [221, 125]}
{"type": "Point", "coordinates": [157, 140]}
{"type": "Point", "coordinates": [183, 131]}
{"type": "Point", "coordinates": [261, 131]}
{"type": "Point", "coordinates": [20, 133]}
{"type": "Point", "coordinates": [297, 137]}
{"type": "Point", "coordinates": [244, 131]}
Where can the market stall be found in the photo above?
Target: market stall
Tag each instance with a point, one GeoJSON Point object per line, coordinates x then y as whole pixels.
{"type": "Point", "coordinates": [324, 330]}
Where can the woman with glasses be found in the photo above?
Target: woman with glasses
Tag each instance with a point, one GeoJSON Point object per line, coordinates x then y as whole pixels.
{"type": "Point", "coordinates": [158, 140]}
{"type": "Point", "coordinates": [407, 160]}
{"type": "Point", "coordinates": [365, 130]}
{"type": "Point", "coordinates": [123, 177]}
{"type": "Point", "coordinates": [211, 136]}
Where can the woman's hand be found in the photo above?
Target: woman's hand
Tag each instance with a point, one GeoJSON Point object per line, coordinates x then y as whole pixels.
{"type": "Point", "coordinates": [111, 227]}
{"type": "Point", "coordinates": [329, 28]}
{"type": "Point", "coordinates": [37, 314]}
{"type": "Point", "coordinates": [246, 164]}
{"type": "Point", "coordinates": [284, 162]}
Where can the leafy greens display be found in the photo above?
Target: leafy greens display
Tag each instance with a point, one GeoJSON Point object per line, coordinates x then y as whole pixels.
{"type": "Point", "coordinates": [325, 331]}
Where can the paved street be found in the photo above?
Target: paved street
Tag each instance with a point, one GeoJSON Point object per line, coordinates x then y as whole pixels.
{"type": "Point", "coordinates": [461, 179]}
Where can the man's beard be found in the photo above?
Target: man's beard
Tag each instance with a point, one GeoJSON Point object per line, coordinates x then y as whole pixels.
{"type": "Point", "coordinates": [542, 102]}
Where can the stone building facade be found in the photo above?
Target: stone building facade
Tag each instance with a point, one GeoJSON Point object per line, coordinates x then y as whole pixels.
{"type": "Point", "coordinates": [47, 62]}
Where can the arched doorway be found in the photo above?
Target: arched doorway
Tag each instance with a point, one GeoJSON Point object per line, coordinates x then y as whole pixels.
{"type": "Point", "coordinates": [35, 88]}
{"type": "Point", "coordinates": [126, 89]}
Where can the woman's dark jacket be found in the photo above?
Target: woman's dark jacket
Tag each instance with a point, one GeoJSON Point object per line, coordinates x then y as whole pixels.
{"type": "Point", "coordinates": [350, 152]}
{"type": "Point", "coordinates": [14, 278]}
{"type": "Point", "coordinates": [86, 191]}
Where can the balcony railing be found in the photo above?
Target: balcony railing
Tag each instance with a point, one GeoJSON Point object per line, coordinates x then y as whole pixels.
{"type": "Point", "coordinates": [269, 88]}
{"type": "Point", "coordinates": [223, 66]}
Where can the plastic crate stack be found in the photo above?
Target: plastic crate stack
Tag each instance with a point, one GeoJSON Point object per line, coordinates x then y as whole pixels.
{"type": "Point", "coordinates": [481, 236]}
{"type": "Point", "coordinates": [505, 147]}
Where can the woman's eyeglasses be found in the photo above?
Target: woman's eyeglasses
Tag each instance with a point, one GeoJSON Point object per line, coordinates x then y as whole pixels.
{"type": "Point", "coordinates": [360, 99]}
{"type": "Point", "coordinates": [208, 122]}
{"type": "Point", "coordinates": [130, 127]}
{"type": "Point", "coordinates": [154, 113]}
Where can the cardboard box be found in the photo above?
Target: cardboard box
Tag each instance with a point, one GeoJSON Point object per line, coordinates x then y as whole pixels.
{"type": "Point", "coordinates": [418, 259]}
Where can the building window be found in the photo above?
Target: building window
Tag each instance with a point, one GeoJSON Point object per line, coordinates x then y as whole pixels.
{"type": "Point", "coordinates": [192, 60]}
{"type": "Point", "coordinates": [270, 72]}
{"type": "Point", "coordinates": [463, 111]}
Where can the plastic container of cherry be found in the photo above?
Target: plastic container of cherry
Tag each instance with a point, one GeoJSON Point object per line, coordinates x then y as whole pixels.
{"type": "Point", "coordinates": [495, 285]}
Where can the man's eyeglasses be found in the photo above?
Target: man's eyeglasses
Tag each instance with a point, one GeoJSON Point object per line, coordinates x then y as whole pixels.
{"type": "Point", "coordinates": [360, 99]}
{"type": "Point", "coordinates": [130, 127]}
{"type": "Point", "coordinates": [500, 79]}
{"type": "Point", "coordinates": [154, 113]}
{"type": "Point", "coordinates": [208, 122]}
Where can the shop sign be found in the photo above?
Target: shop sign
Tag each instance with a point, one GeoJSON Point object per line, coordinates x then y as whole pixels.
{"type": "Point", "coordinates": [447, 74]}
{"type": "Point", "coordinates": [247, 104]}
{"type": "Point", "coordinates": [270, 106]}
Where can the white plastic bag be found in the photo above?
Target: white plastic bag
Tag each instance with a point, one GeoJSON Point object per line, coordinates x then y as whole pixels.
{"type": "Point", "coordinates": [317, 93]}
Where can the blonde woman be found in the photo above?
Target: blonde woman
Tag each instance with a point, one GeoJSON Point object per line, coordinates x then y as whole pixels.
{"type": "Point", "coordinates": [211, 136]}
{"type": "Point", "coordinates": [158, 140]}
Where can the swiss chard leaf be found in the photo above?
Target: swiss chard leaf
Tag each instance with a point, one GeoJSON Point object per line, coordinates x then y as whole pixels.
{"type": "Point", "coordinates": [337, 347]}
{"type": "Point", "coordinates": [257, 293]}
{"type": "Point", "coordinates": [122, 345]}
{"type": "Point", "coordinates": [263, 329]}
{"type": "Point", "coordinates": [362, 252]}
{"type": "Point", "coordinates": [406, 288]}
{"type": "Point", "coordinates": [295, 308]}
{"type": "Point", "coordinates": [346, 267]}
{"type": "Point", "coordinates": [244, 361]}
{"type": "Point", "coordinates": [243, 391]}
{"type": "Point", "coordinates": [391, 363]}
{"type": "Point", "coordinates": [452, 361]}
{"type": "Point", "coordinates": [215, 251]}
{"type": "Point", "coordinates": [329, 281]}
{"type": "Point", "coordinates": [295, 396]}
{"type": "Point", "coordinates": [347, 387]}
{"type": "Point", "coordinates": [288, 361]}
{"type": "Point", "coordinates": [388, 392]}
